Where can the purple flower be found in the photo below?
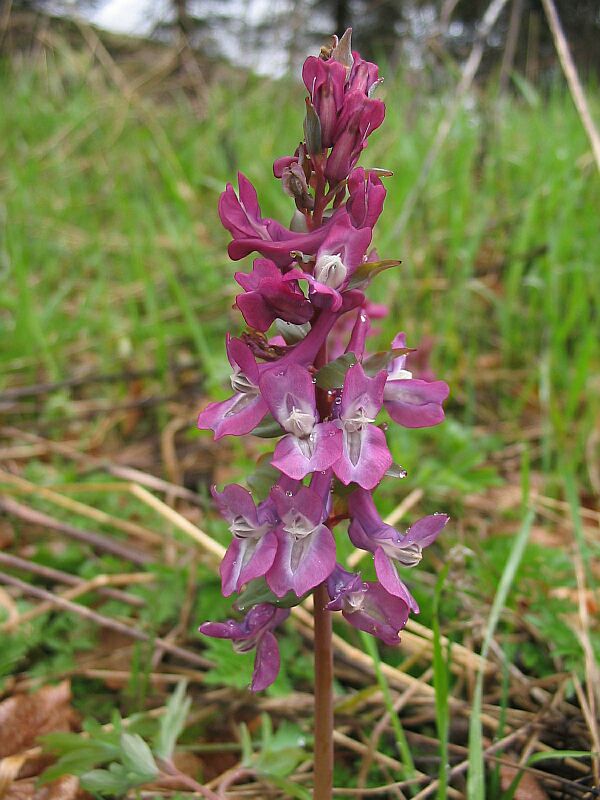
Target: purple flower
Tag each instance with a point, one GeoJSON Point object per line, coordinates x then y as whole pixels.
{"type": "Point", "coordinates": [283, 163]}
{"type": "Point", "coordinates": [336, 260]}
{"type": "Point", "coordinates": [310, 445]}
{"type": "Point", "coordinates": [411, 402]}
{"type": "Point", "coordinates": [364, 75]}
{"type": "Point", "coordinates": [242, 412]}
{"type": "Point", "coordinates": [360, 116]}
{"type": "Point", "coordinates": [366, 605]}
{"type": "Point", "coordinates": [367, 195]}
{"type": "Point", "coordinates": [242, 218]}
{"type": "Point", "coordinates": [268, 297]}
{"type": "Point", "coordinates": [306, 548]}
{"type": "Point", "coordinates": [251, 553]}
{"type": "Point", "coordinates": [369, 532]}
{"type": "Point", "coordinates": [325, 81]}
{"type": "Point", "coordinates": [254, 632]}
{"type": "Point", "coordinates": [365, 456]}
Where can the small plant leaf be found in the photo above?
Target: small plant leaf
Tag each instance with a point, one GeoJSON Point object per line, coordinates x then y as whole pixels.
{"type": "Point", "coordinates": [172, 722]}
{"type": "Point", "coordinates": [268, 428]}
{"type": "Point", "coordinates": [137, 757]}
{"type": "Point", "coordinates": [332, 375]}
{"type": "Point", "coordinates": [290, 332]}
{"type": "Point", "coordinates": [396, 471]}
{"type": "Point", "coordinates": [383, 358]}
{"type": "Point", "coordinates": [369, 270]}
{"type": "Point", "coordinates": [258, 591]}
{"type": "Point", "coordinates": [264, 477]}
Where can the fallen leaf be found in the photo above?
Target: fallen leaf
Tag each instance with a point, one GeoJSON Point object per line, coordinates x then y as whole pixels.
{"type": "Point", "coordinates": [529, 787]}
{"type": "Point", "coordinates": [24, 717]}
{"type": "Point", "coordinates": [65, 788]}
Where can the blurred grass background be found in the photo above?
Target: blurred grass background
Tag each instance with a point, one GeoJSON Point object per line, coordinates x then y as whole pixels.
{"type": "Point", "coordinates": [113, 254]}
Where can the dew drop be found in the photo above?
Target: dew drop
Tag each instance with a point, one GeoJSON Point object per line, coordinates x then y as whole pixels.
{"type": "Point", "coordinates": [289, 494]}
{"type": "Point", "coordinates": [314, 380]}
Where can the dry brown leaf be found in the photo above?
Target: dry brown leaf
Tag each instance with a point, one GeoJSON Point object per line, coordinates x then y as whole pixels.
{"type": "Point", "coordinates": [529, 787]}
{"type": "Point", "coordinates": [65, 788]}
{"type": "Point", "coordinates": [7, 534]}
{"type": "Point", "coordinates": [24, 717]}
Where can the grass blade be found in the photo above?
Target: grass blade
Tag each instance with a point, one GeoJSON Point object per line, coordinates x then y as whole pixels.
{"type": "Point", "coordinates": [476, 778]}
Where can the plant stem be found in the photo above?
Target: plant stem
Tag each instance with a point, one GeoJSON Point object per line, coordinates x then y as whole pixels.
{"type": "Point", "coordinates": [323, 747]}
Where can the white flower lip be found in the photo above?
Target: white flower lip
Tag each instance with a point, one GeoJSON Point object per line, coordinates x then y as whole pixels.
{"type": "Point", "coordinates": [297, 525]}
{"type": "Point", "coordinates": [330, 270]}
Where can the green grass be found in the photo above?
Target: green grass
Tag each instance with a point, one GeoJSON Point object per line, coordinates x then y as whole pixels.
{"type": "Point", "coordinates": [112, 259]}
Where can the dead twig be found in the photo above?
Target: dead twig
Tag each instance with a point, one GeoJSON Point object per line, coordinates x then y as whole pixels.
{"type": "Point", "coordinates": [65, 577]}
{"type": "Point", "coordinates": [95, 540]}
{"type": "Point", "coordinates": [105, 622]}
{"type": "Point", "coordinates": [468, 74]}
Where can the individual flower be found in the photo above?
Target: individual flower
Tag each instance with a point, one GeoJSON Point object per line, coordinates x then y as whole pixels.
{"type": "Point", "coordinates": [412, 402]}
{"type": "Point", "coordinates": [309, 445]}
{"type": "Point", "coordinates": [337, 258]}
{"type": "Point", "coordinates": [369, 532]}
{"type": "Point", "coordinates": [366, 605]}
{"type": "Point", "coordinates": [242, 412]}
{"type": "Point", "coordinates": [254, 632]}
{"type": "Point", "coordinates": [325, 82]}
{"type": "Point", "coordinates": [367, 195]}
{"type": "Point", "coordinates": [251, 553]}
{"type": "Point", "coordinates": [360, 116]}
{"type": "Point", "coordinates": [306, 548]}
{"type": "Point", "coordinates": [365, 456]}
{"type": "Point", "coordinates": [241, 216]}
{"type": "Point", "coordinates": [268, 297]}
{"type": "Point", "coordinates": [364, 75]}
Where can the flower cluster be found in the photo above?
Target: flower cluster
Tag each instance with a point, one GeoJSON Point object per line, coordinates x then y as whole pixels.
{"type": "Point", "coordinates": [301, 372]}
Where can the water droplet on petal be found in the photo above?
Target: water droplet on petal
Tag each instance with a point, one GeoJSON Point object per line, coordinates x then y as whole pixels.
{"type": "Point", "coordinates": [289, 494]}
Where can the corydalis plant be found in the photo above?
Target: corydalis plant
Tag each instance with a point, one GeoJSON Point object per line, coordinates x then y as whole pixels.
{"type": "Point", "coordinates": [301, 372]}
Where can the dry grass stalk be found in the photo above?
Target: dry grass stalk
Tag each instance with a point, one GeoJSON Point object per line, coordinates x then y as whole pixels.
{"type": "Point", "coordinates": [103, 621]}
{"type": "Point", "coordinates": [81, 509]}
{"type": "Point", "coordinates": [572, 77]}
{"type": "Point", "coordinates": [91, 538]}
{"type": "Point", "coordinates": [208, 544]}
{"type": "Point", "coordinates": [81, 588]}
{"type": "Point", "coordinates": [128, 474]}
{"type": "Point", "coordinates": [59, 576]}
